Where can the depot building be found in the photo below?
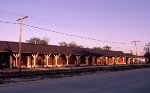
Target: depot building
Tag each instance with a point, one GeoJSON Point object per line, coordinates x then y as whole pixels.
{"type": "Point", "coordinates": [38, 55]}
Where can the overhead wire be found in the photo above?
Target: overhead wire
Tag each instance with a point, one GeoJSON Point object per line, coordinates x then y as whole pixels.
{"type": "Point", "coordinates": [66, 27]}
{"type": "Point", "coordinates": [62, 25]}
{"type": "Point", "coordinates": [12, 15]}
{"type": "Point", "coordinates": [62, 33]}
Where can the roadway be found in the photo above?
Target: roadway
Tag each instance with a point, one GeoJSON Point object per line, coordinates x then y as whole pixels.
{"type": "Point", "coordinates": [129, 81]}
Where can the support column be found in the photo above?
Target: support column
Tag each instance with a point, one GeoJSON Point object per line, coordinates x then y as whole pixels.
{"type": "Point", "coordinates": [78, 60]}
{"type": "Point", "coordinates": [34, 58]}
{"type": "Point", "coordinates": [56, 59]}
{"type": "Point", "coordinates": [93, 60]}
{"type": "Point", "coordinates": [138, 60]}
{"type": "Point", "coordinates": [28, 61]}
{"type": "Point", "coordinates": [67, 57]}
{"type": "Point", "coordinates": [87, 60]}
{"type": "Point", "coordinates": [129, 61]}
{"type": "Point", "coordinates": [113, 60]}
{"type": "Point", "coordinates": [133, 60]}
{"type": "Point", "coordinates": [10, 62]}
{"type": "Point", "coordinates": [123, 58]}
{"type": "Point", "coordinates": [47, 57]}
{"type": "Point", "coordinates": [101, 60]}
{"type": "Point", "coordinates": [16, 57]}
{"type": "Point", "coordinates": [106, 58]}
{"type": "Point", "coordinates": [117, 61]}
{"type": "Point", "coordinates": [0, 60]}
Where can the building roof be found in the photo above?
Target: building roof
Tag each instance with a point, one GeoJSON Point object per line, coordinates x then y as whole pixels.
{"type": "Point", "coordinates": [13, 47]}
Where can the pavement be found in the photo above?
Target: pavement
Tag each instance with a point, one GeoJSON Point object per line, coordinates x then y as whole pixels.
{"type": "Point", "coordinates": [129, 81]}
{"type": "Point", "coordinates": [57, 68]}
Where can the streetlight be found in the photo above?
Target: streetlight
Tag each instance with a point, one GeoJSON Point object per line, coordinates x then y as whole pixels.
{"type": "Point", "coordinates": [20, 40]}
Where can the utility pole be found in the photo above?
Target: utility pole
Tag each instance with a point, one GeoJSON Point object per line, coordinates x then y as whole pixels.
{"type": "Point", "coordinates": [131, 51]}
{"type": "Point", "coordinates": [136, 51]}
{"type": "Point", "coordinates": [20, 41]}
{"type": "Point", "coordinates": [135, 43]}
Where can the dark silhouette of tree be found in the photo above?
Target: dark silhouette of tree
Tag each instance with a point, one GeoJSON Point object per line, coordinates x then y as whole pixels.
{"type": "Point", "coordinates": [63, 44]}
{"type": "Point", "coordinates": [71, 44]}
{"type": "Point", "coordinates": [97, 48]}
{"type": "Point", "coordinates": [106, 48]}
{"type": "Point", "coordinates": [147, 51]}
{"type": "Point", "coordinates": [35, 40]}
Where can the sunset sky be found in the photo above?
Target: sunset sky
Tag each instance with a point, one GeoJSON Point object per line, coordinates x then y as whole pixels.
{"type": "Point", "coordinates": [120, 21]}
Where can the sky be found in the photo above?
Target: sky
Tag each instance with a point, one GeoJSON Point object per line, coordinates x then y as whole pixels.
{"type": "Point", "coordinates": [105, 21]}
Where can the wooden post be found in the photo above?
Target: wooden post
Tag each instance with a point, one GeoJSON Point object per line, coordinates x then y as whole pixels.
{"type": "Point", "coordinates": [28, 61]}
{"type": "Point", "coordinates": [16, 57]}
{"type": "Point", "coordinates": [78, 60]}
{"type": "Point", "coordinates": [47, 57]}
{"type": "Point", "coordinates": [93, 60]}
{"type": "Point", "coordinates": [106, 58]}
{"type": "Point", "coordinates": [34, 58]}
{"type": "Point", "coordinates": [56, 59]}
{"type": "Point", "coordinates": [68, 56]}
{"type": "Point", "coordinates": [87, 60]}
{"type": "Point", "coordinates": [10, 62]}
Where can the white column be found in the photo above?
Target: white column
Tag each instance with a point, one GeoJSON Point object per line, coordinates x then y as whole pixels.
{"type": "Point", "coordinates": [93, 60]}
{"type": "Point", "coordinates": [133, 60]}
{"type": "Point", "coordinates": [117, 61]}
{"type": "Point", "coordinates": [34, 58]}
{"type": "Point", "coordinates": [16, 57]}
{"type": "Point", "coordinates": [78, 60]}
{"type": "Point", "coordinates": [113, 60]}
{"type": "Point", "coordinates": [87, 60]}
{"type": "Point", "coordinates": [28, 60]}
{"type": "Point", "coordinates": [129, 60]}
{"type": "Point", "coordinates": [101, 60]}
{"type": "Point", "coordinates": [56, 59]}
{"type": "Point", "coordinates": [67, 57]}
{"type": "Point", "coordinates": [138, 60]}
{"type": "Point", "coordinates": [106, 58]}
{"type": "Point", "coordinates": [123, 58]}
{"type": "Point", "coordinates": [47, 57]}
{"type": "Point", "coordinates": [11, 61]}
{"type": "Point", "coordinates": [144, 60]}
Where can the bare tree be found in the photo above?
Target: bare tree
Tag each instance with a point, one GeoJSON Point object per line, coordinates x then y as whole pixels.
{"type": "Point", "coordinates": [45, 40]}
{"type": "Point", "coordinates": [106, 48]}
{"type": "Point", "coordinates": [63, 44]}
{"type": "Point", "coordinates": [147, 51]}
{"type": "Point", "coordinates": [146, 48]}
{"type": "Point", "coordinates": [97, 48]}
{"type": "Point", "coordinates": [35, 40]}
{"type": "Point", "coordinates": [71, 44]}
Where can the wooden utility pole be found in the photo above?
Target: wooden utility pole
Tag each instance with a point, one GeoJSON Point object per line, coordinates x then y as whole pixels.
{"type": "Point", "coordinates": [20, 41]}
{"type": "Point", "coordinates": [135, 43]}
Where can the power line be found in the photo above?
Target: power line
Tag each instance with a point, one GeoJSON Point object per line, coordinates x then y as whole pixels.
{"type": "Point", "coordinates": [79, 29]}
{"type": "Point", "coordinates": [62, 33]}
{"type": "Point", "coordinates": [58, 25]}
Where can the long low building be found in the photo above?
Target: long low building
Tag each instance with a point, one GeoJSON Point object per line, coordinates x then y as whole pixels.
{"type": "Point", "coordinates": [38, 55]}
